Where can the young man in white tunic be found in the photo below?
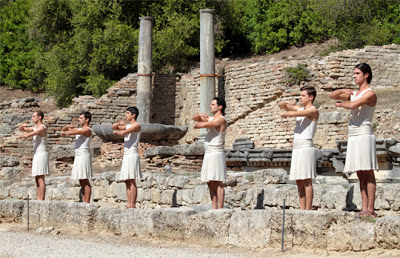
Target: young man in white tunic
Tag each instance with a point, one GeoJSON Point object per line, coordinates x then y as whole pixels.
{"type": "Point", "coordinates": [130, 168]}
{"type": "Point", "coordinates": [303, 163]}
{"type": "Point", "coordinates": [40, 162]}
{"type": "Point", "coordinates": [213, 170]}
{"type": "Point", "coordinates": [361, 145]}
{"type": "Point", "coordinates": [82, 168]}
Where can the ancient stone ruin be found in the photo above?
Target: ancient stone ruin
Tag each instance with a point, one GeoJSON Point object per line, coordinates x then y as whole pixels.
{"type": "Point", "coordinates": [258, 147]}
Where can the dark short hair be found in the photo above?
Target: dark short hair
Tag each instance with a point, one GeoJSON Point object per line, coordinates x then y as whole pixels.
{"type": "Point", "coordinates": [87, 115]}
{"type": "Point", "coordinates": [221, 102]}
{"type": "Point", "coordinates": [310, 91]}
{"type": "Point", "coordinates": [365, 68]}
{"type": "Point", "coordinates": [39, 113]}
{"type": "Point", "coordinates": [133, 110]}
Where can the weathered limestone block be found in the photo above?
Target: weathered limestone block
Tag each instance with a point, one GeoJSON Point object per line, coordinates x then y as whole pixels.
{"type": "Point", "coordinates": [356, 236]}
{"type": "Point", "coordinates": [168, 197]}
{"type": "Point", "coordinates": [385, 198]}
{"type": "Point", "coordinates": [144, 195]}
{"type": "Point", "coordinates": [98, 192]}
{"type": "Point", "coordinates": [385, 195]}
{"type": "Point", "coordinates": [306, 228]}
{"type": "Point", "coordinates": [6, 129]}
{"type": "Point", "coordinates": [387, 231]}
{"type": "Point", "coordinates": [396, 202]}
{"type": "Point", "coordinates": [274, 195]}
{"type": "Point", "coordinates": [201, 194]}
{"type": "Point", "coordinates": [4, 189]}
{"type": "Point", "coordinates": [8, 161]}
{"type": "Point", "coordinates": [334, 117]}
{"type": "Point", "coordinates": [61, 214]}
{"type": "Point", "coordinates": [255, 198]}
{"type": "Point", "coordinates": [108, 219]}
{"type": "Point", "coordinates": [72, 193]}
{"type": "Point", "coordinates": [178, 181]}
{"type": "Point", "coordinates": [137, 222]}
{"type": "Point", "coordinates": [171, 223]}
{"type": "Point", "coordinates": [155, 195]}
{"type": "Point", "coordinates": [211, 226]}
{"type": "Point", "coordinates": [9, 172]}
{"type": "Point", "coordinates": [121, 192]}
{"type": "Point", "coordinates": [184, 197]}
{"type": "Point", "coordinates": [250, 228]}
{"type": "Point", "coordinates": [147, 180]}
{"type": "Point", "coordinates": [274, 176]}
{"type": "Point", "coordinates": [61, 152]}
{"type": "Point", "coordinates": [54, 193]}
{"type": "Point", "coordinates": [11, 210]}
{"type": "Point", "coordinates": [329, 196]}
{"type": "Point", "coordinates": [112, 190]}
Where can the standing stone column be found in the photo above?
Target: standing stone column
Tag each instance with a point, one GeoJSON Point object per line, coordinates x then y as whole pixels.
{"type": "Point", "coordinates": [207, 63]}
{"type": "Point", "coordinates": [145, 66]}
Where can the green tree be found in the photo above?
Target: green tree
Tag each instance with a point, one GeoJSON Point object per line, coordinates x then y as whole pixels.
{"type": "Point", "coordinates": [18, 51]}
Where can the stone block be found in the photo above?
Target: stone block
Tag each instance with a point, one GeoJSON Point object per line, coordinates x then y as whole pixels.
{"type": "Point", "coordinates": [121, 192]}
{"type": "Point", "coordinates": [274, 176]}
{"type": "Point", "coordinates": [387, 231]}
{"type": "Point", "coordinates": [112, 190]}
{"type": "Point", "coordinates": [8, 161]}
{"type": "Point", "coordinates": [250, 229]}
{"type": "Point", "coordinates": [201, 194]}
{"type": "Point", "coordinates": [184, 196]}
{"type": "Point", "coordinates": [356, 236]}
{"type": "Point", "coordinates": [9, 172]}
{"type": "Point", "coordinates": [98, 192]}
{"type": "Point", "coordinates": [178, 181]}
{"type": "Point", "coordinates": [212, 227]}
{"type": "Point", "coordinates": [171, 223]}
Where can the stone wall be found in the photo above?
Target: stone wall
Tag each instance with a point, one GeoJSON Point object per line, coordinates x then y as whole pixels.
{"type": "Point", "coordinates": [252, 90]}
{"type": "Point", "coordinates": [244, 191]}
{"type": "Point", "coordinates": [327, 230]}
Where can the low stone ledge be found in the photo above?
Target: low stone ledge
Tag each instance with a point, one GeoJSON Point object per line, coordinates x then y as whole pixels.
{"type": "Point", "coordinates": [251, 190]}
{"type": "Point", "coordinates": [330, 230]}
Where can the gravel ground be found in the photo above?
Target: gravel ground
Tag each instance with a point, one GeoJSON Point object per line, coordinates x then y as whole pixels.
{"type": "Point", "coordinates": [18, 243]}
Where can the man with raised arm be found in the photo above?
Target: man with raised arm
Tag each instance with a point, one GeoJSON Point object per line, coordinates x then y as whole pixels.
{"type": "Point", "coordinates": [40, 162]}
{"type": "Point", "coordinates": [213, 170]}
{"type": "Point", "coordinates": [82, 168]}
{"type": "Point", "coordinates": [361, 145]}
{"type": "Point", "coordinates": [130, 168]}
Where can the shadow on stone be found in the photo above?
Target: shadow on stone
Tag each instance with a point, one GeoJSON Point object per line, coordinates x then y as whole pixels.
{"type": "Point", "coordinates": [260, 201]}
{"type": "Point", "coordinates": [350, 205]}
{"type": "Point", "coordinates": [174, 199]}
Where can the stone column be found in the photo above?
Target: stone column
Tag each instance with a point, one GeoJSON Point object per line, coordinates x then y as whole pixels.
{"type": "Point", "coordinates": [145, 65]}
{"type": "Point", "coordinates": [207, 63]}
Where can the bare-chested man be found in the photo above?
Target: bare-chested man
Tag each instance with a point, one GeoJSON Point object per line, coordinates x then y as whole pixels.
{"type": "Point", "coordinates": [40, 162]}
{"type": "Point", "coordinates": [214, 164]}
{"type": "Point", "coordinates": [82, 169]}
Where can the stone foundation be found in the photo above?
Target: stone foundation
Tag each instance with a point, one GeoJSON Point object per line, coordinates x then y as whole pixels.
{"type": "Point", "coordinates": [244, 191]}
{"type": "Point", "coordinates": [329, 230]}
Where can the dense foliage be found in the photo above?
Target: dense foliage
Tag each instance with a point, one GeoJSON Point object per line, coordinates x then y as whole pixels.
{"type": "Point", "coordinates": [72, 47]}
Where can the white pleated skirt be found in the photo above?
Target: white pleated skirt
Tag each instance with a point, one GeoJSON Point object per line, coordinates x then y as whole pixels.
{"type": "Point", "coordinates": [361, 150]}
{"type": "Point", "coordinates": [214, 166]}
{"type": "Point", "coordinates": [304, 163]}
{"type": "Point", "coordinates": [82, 168]}
{"type": "Point", "coordinates": [40, 164]}
{"type": "Point", "coordinates": [130, 168]}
